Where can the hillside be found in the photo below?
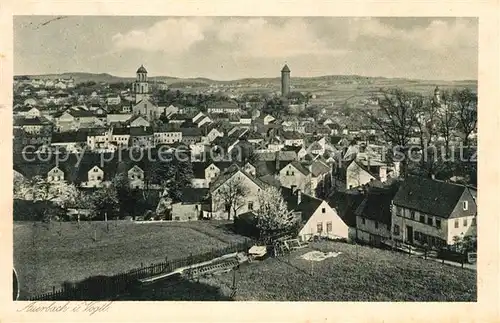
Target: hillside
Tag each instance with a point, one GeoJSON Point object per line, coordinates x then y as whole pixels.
{"type": "Point", "coordinates": [297, 81]}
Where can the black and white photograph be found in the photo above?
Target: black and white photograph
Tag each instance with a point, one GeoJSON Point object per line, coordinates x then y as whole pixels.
{"type": "Point", "coordinates": [231, 158]}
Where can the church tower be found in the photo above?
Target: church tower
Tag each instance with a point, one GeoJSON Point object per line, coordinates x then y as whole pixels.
{"type": "Point", "coordinates": [437, 95]}
{"type": "Point", "coordinates": [285, 81]}
{"type": "Point", "coordinates": [141, 86]}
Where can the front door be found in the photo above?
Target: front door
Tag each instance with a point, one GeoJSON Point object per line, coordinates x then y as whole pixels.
{"type": "Point", "coordinates": [409, 234]}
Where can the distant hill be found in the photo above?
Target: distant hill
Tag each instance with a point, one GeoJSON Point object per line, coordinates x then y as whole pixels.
{"type": "Point", "coordinates": [298, 82]}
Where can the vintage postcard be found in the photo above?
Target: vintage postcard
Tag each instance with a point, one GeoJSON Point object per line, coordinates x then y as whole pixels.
{"type": "Point", "coordinates": [234, 160]}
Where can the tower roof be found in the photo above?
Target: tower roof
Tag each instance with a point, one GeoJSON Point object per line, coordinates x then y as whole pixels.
{"type": "Point", "coordinates": [141, 70]}
{"type": "Point", "coordinates": [285, 68]}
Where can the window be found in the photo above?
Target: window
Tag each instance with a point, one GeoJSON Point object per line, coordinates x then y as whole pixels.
{"type": "Point", "coordinates": [465, 222]}
{"type": "Point", "coordinates": [95, 170]}
{"type": "Point", "coordinates": [98, 178]}
{"type": "Point", "coordinates": [473, 223]}
{"type": "Point", "coordinates": [456, 223]}
{"type": "Point", "coordinates": [396, 229]}
{"type": "Point", "coordinates": [177, 218]}
{"type": "Point", "coordinates": [250, 205]}
{"type": "Point", "coordinates": [320, 227]}
{"type": "Point", "coordinates": [196, 207]}
{"type": "Point", "coordinates": [430, 220]}
{"type": "Point", "coordinates": [422, 218]}
{"type": "Point", "coordinates": [412, 215]}
{"type": "Point", "coordinates": [328, 226]}
{"type": "Point", "coordinates": [287, 173]}
{"type": "Point", "coordinates": [398, 210]}
{"type": "Point", "coordinates": [293, 173]}
{"type": "Point", "coordinates": [363, 221]}
{"type": "Point", "coordinates": [438, 224]}
{"type": "Point", "coordinates": [323, 210]}
{"type": "Point", "coordinates": [465, 205]}
{"type": "Point", "coordinates": [376, 225]}
{"type": "Point", "coordinates": [417, 236]}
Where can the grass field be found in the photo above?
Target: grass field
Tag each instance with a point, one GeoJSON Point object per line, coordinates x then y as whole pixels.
{"type": "Point", "coordinates": [366, 275]}
{"type": "Point", "coordinates": [48, 257]}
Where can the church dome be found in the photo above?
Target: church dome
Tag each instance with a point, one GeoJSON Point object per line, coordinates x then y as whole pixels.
{"type": "Point", "coordinates": [141, 70]}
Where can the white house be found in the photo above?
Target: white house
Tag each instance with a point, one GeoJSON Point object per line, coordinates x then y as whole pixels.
{"type": "Point", "coordinates": [136, 177]}
{"type": "Point", "coordinates": [55, 175]}
{"type": "Point", "coordinates": [318, 217]}
{"type": "Point", "coordinates": [225, 184]}
{"type": "Point", "coordinates": [432, 212]}
{"type": "Point", "coordinates": [95, 177]}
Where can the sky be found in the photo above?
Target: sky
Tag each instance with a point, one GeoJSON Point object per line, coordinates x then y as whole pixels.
{"type": "Point", "coordinates": [227, 48]}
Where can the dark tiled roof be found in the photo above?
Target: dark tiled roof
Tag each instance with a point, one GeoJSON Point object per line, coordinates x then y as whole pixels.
{"type": "Point", "coordinates": [31, 121]}
{"type": "Point", "coordinates": [377, 205]}
{"type": "Point", "coordinates": [308, 204]}
{"type": "Point", "coordinates": [141, 131]}
{"type": "Point", "coordinates": [74, 136]}
{"type": "Point", "coordinates": [141, 69]}
{"type": "Point", "coordinates": [428, 196]}
{"type": "Point", "coordinates": [223, 178]}
{"type": "Point", "coordinates": [291, 135]}
{"type": "Point", "coordinates": [121, 131]}
{"type": "Point", "coordinates": [194, 195]}
{"type": "Point", "coordinates": [191, 132]}
{"type": "Point", "coordinates": [319, 168]}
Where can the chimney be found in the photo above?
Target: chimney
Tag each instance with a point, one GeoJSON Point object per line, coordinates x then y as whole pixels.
{"type": "Point", "coordinates": [299, 196]}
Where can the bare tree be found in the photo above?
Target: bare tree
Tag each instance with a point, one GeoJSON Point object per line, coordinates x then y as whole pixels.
{"type": "Point", "coordinates": [231, 195]}
{"type": "Point", "coordinates": [446, 120]}
{"type": "Point", "coordinates": [466, 108]}
{"type": "Point", "coordinates": [397, 118]}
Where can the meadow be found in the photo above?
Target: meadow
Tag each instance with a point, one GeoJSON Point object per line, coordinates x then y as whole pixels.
{"type": "Point", "coordinates": [359, 273]}
{"type": "Point", "coordinates": [49, 255]}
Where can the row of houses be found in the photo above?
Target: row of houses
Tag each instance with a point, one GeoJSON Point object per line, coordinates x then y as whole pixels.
{"type": "Point", "coordinates": [417, 211]}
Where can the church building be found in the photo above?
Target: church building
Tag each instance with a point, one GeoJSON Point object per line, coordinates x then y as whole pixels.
{"type": "Point", "coordinates": [143, 104]}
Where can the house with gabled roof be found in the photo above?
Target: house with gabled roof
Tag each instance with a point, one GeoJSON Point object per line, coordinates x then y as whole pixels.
{"type": "Point", "coordinates": [292, 138]}
{"type": "Point", "coordinates": [55, 175]}
{"type": "Point", "coordinates": [228, 185]}
{"type": "Point", "coordinates": [193, 205]}
{"type": "Point", "coordinates": [357, 175]}
{"type": "Point", "coordinates": [142, 137]}
{"type": "Point", "coordinates": [431, 212]}
{"type": "Point", "coordinates": [136, 177]}
{"type": "Point", "coordinates": [147, 109]}
{"type": "Point", "coordinates": [318, 218]}
{"type": "Point", "coordinates": [374, 217]}
{"type": "Point", "coordinates": [295, 174]}
{"type": "Point", "coordinates": [72, 142]}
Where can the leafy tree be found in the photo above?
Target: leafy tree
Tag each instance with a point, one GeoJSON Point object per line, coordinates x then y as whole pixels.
{"type": "Point", "coordinates": [39, 189]}
{"type": "Point", "coordinates": [104, 202]}
{"type": "Point", "coordinates": [172, 175]}
{"type": "Point", "coordinates": [272, 214]}
{"type": "Point", "coordinates": [276, 107]}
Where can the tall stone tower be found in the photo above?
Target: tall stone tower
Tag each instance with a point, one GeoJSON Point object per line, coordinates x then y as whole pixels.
{"type": "Point", "coordinates": [141, 86]}
{"type": "Point", "coordinates": [285, 81]}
